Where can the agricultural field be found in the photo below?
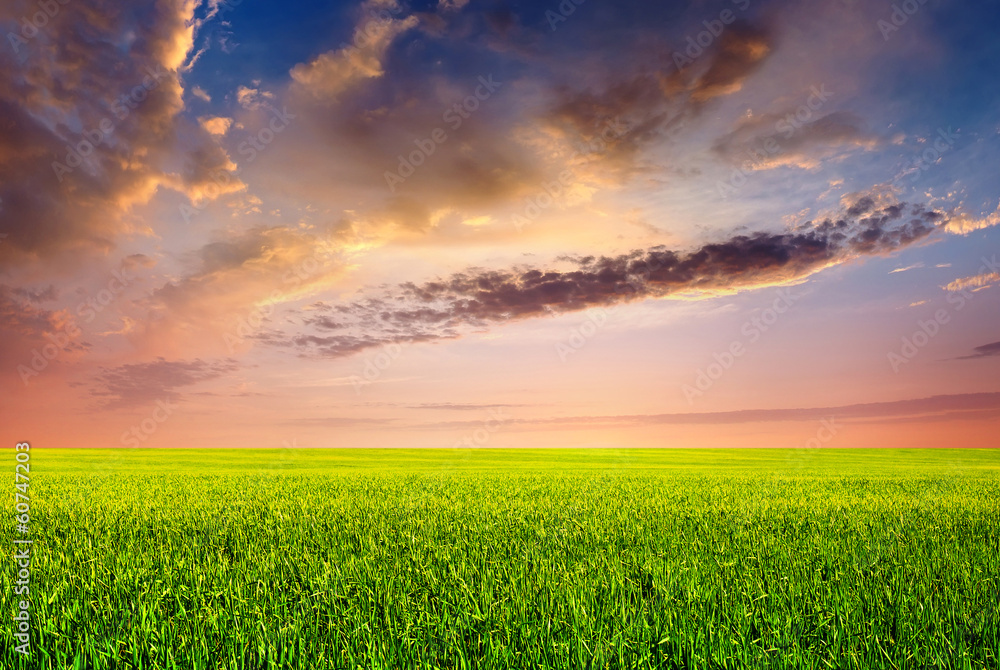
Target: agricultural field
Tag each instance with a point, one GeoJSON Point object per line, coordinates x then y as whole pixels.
{"type": "Point", "coordinates": [511, 559]}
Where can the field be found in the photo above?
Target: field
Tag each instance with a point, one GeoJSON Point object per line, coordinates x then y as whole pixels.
{"type": "Point", "coordinates": [512, 559]}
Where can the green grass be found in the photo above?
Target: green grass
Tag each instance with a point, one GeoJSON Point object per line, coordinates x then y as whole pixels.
{"type": "Point", "coordinates": [514, 559]}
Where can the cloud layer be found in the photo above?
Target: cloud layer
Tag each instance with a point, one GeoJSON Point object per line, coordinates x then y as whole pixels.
{"type": "Point", "coordinates": [479, 298]}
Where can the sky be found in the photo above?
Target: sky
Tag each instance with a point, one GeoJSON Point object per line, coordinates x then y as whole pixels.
{"type": "Point", "coordinates": [451, 223]}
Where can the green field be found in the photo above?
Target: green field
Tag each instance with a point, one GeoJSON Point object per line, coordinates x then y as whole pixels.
{"type": "Point", "coordinates": [513, 559]}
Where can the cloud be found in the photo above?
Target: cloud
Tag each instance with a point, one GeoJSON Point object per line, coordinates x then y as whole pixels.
{"type": "Point", "coordinates": [27, 328]}
{"type": "Point", "coordinates": [451, 5]}
{"type": "Point", "coordinates": [215, 125]}
{"type": "Point", "coordinates": [332, 73]}
{"type": "Point", "coordinates": [135, 261]}
{"type": "Point", "coordinates": [21, 315]}
{"type": "Point", "coordinates": [91, 125]}
{"type": "Point", "coordinates": [253, 98]}
{"type": "Point", "coordinates": [462, 407]}
{"type": "Point", "coordinates": [601, 133]}
{"type": "Point", "coordinates": [742, 49]}
{"type": "Point", "coordinates": [934, 408]}
{"type": "Point", "coordinates": [641, 107]}
{"type": "Point", "coordinates": [963, 224]}
{"type": "Point", "coordinates": [237, 276]}
{"type": "Point", "coordinates": [773, 140]}
{"type": "Point", "coordinates": [991, 349]}
{"type": "Point", "coordinates": [200, 93]}
{"type": "Point", "coordinates": [478, 298]}
{"type": "Point", "coordinates": [976, 281]}
{"type": "Point", "coordinates": [336, 346]}
{"type": "Point", "coordinates": [135, 384]}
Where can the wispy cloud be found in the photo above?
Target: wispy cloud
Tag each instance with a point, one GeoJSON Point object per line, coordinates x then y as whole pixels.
{"type": "Point", "coordinates": [135, 384]}
{"type": "Point", "coordinates": [974, 282]}
{"type": "Point", "coordinates": [991, 349]}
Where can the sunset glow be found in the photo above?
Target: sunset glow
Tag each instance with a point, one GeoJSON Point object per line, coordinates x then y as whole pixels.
{"type": "Point", "coordinates": [576, 224]}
